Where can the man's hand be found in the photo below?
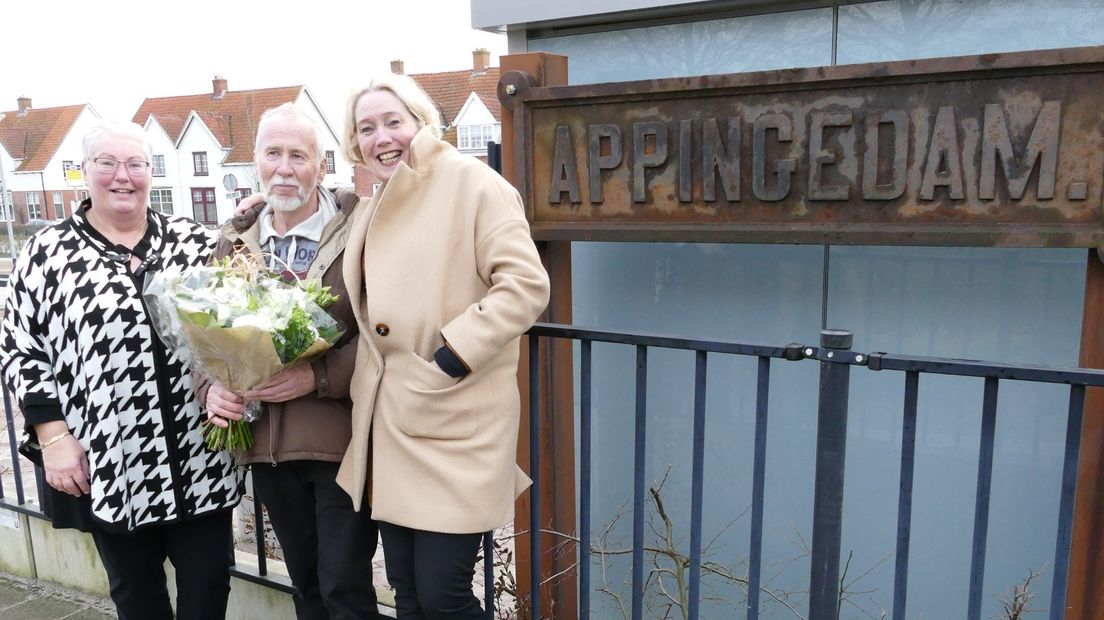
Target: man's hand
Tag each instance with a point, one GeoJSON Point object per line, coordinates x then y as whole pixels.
{"type": "Point", "coordinates": [289, 384]}
{"type": "Point", "coordinates": [223, 405]}
{"type": "Point", "coordinates": [248, 203]}
{"type": "Point", "coordinates": [64, 460]}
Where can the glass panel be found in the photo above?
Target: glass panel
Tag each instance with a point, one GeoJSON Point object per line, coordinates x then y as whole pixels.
{"type": "Point", "coordinates": [906, 29]}
{"type": "Point", "coordinates": [749, 293]}
{"type": "Point", "coordinates": [754, 43]}
{"type": "Point", "coordinates": [1012, 305]}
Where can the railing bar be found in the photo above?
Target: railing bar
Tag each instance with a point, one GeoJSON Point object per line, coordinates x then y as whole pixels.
{"type": "Point", "coordinates": [638, 482]}
{"type": "Point", "coordinates": [970, 368]}
{"type": "Point", "coordinates": [23, 509]}
{"type": "Point", "coordinates": [554, 330]}
{"type": "Point", "coordinates": [981, 508]}
{"type": "Point", "coordinates": [904, 500]}
{"type": "Point", "coordinates": [534, 473]}
{"type": "Point", "coordinates": [759, 474]}
{"type": "Point", "coordinates": [259, 532]}
{"type": "Point", "coordinates": [9, 416]}
{"type": "Point", "coordinates": [584, 480]}
{"type": "Point", "coordinates": [488, 576]}
{"type": "Point", "coordinates": [1066, 501]}
{"type": "Point", "coordinates": [697, 474]}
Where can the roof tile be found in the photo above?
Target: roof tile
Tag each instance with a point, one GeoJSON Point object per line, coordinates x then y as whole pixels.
{"type": "Point", "coordinates": [35, 136]}
{"type": "Point", "coordinates": [232, 118]}
{"type": "Point", "coordinates": [450, 90]}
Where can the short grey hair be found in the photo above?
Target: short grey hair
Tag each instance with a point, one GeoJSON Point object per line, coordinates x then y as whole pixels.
{"type": "Point", "coordinates": [407, 91]}
{"type": "Point", "coordinates": [127, 130]}
{"type": "Point", "coordinates": [292, 110]}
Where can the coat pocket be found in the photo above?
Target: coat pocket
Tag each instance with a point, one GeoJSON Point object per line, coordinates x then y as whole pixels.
{"type": "Point", "coordinates": [438, 406]}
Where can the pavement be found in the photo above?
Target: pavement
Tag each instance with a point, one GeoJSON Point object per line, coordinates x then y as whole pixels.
{"type": "Point", "coordinates": [26, 599]}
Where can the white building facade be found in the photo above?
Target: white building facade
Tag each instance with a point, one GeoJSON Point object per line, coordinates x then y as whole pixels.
{"type": "Point", "coordinates": [206, 169]}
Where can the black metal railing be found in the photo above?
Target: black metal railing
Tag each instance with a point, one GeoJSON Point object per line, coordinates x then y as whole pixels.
{"type": "Point", "coordinates": [836, 361]}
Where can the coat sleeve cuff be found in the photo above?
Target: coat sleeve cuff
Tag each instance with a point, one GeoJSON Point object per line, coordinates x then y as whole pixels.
{"type": "Point", "coordinates": [41, 413]}
{"type": "Point", "coordinates": [450, 362]}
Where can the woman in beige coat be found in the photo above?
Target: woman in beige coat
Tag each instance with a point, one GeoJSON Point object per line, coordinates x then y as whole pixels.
{"type": "Point", "coordinates": [443, 278]}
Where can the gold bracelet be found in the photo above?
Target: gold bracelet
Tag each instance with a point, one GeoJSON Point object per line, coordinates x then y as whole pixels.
{"type": "Point", "coordinates": [51, 441]}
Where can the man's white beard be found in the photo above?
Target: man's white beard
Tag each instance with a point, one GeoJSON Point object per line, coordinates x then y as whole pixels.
{"type": "Point", "coordinates": [279, 203]}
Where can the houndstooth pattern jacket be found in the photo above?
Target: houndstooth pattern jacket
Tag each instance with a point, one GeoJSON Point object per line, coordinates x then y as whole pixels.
{"type": "Point", "coordinates": [76, 337]}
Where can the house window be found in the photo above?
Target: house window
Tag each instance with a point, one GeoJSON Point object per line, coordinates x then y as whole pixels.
{"type": "Point", "coordinates": [159, 165]}
{"type": "Point", "coordinates": [331, 164]}
{"type": "Point", "coordinates": [59, 206]}
{"type": "Point", "coordinates": [476, 137]}
{"type": "Point", "coordinates": [34, 207]}
{"type": "Point", "coordinates": [242, 193]}
{"type": "Point", "coordinates": [203, 205]}
{"type": "Point", "coordinates": [161, 200]}
{"type": "Point", "coordinates": [199, 160]}
{"type": "Point", "coordinates": [82, 195]}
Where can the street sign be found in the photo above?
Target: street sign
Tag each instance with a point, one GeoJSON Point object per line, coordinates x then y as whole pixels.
{"type": "Point", "coordinates": [230, 182]}
{"type": "Point", "coordinates": [73, 174]}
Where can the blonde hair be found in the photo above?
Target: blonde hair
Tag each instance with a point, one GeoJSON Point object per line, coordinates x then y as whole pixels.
{"type": "Point", "coordinates": [407, 91]}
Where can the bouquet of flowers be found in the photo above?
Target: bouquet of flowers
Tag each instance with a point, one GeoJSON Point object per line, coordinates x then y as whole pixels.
{"type": "Point", "coordinates": [240, 324]}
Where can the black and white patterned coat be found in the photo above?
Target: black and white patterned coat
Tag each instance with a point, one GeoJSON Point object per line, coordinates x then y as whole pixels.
{"type": "Point", "coordinates": [76, 339]}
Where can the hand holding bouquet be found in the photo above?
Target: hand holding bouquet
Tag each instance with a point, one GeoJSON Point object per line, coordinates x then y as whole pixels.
{"type": "Point", "coordinates": [240, 325]}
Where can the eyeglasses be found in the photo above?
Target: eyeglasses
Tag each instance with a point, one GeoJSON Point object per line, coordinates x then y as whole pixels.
{"type": "Point", "coordinates": [106, 165]}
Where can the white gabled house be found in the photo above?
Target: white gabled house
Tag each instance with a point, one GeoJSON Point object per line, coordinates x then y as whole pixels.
{"type": "Point", "coordinates": [203, 147]}
{"type": "Point", "coordinates": [37, 146]}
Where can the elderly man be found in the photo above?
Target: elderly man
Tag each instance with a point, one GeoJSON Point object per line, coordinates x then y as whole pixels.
{"type": "Point", "coordinates": [305, 429]}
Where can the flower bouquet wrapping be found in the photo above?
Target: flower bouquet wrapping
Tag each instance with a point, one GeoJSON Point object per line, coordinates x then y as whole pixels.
{"type": "Point", "coordinates": [241, 325]}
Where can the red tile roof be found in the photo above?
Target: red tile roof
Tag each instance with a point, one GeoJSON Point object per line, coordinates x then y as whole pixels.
{"type": "Point", "coordinates": [450, 90]}
{"type": "Point", "coordinates": [232, 118]}
{"type": "Point", "coordinates": [35, 136]}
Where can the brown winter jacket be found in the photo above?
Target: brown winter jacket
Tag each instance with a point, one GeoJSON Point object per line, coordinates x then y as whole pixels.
{"type": "Point", "coordinates": [316, 426]}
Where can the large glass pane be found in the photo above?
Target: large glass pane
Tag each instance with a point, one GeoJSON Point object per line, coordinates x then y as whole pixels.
{"type": "Point", "coordinates": [754, 43]}
{"type": "Point", "coordinates": [907, 29]}
{"type": "Point", "coordinates": [748, 293]}
{"type": "Point", "coordinates": [1014, 305]}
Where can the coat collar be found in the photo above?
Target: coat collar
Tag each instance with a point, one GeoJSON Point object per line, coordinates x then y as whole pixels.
{"type": "Point", "coordinates": [426, 150]}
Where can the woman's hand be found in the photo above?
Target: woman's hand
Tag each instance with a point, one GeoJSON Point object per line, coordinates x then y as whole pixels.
{"type": "Point", "coordinates": [223, 405]}
{"type": "Point", "coordinates": [64, 460]}
{"type": "Point", "coordinates": [248, 203]}
{"type": "Point", "coordinates": [289, 384]}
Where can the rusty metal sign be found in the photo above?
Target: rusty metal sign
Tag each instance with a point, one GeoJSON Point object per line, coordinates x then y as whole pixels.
{"type": "Point", "coordinates": [993, 150]}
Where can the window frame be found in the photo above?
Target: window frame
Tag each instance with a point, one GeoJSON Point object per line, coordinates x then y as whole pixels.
{"type": "Point", "coordinates": [199, 163]}
{"type": "Point", "coordinates": [158, 195]}
{"type": "Point", "coordinates": [210, 209]}
{"type": "Point", "coordinates": [159, 171]}
{"type": "Point", "coordinates": [33, 202]}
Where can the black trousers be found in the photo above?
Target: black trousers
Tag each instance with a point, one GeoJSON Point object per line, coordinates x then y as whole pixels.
{"type": "Point", "coordinates": [201, 550]}
{"type": "Point", "coordinates": [328, 547]}
{"type": "Point", "coordinates": [431, 573]}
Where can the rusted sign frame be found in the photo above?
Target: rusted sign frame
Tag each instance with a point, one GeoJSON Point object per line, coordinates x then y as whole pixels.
{"type": "Point", "coordinates": [1073, 218]}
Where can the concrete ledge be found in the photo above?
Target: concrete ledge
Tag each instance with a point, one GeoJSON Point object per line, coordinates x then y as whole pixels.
{"type": "Point", "coordinates": [15, 545]}
{"type": "Point", "coordinates": [67, 558]}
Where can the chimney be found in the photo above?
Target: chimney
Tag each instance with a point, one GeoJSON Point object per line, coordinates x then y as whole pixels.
{"type": "Point", "coordinates": [480, 59]}
{"type": "Point", "coordinates": [218, 86]}
{"type": "Point", "coordinates": [397, 67]}
{"type": "Point", "coordinates": [24, 104]}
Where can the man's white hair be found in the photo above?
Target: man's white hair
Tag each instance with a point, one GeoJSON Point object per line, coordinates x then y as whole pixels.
{"type": "Point", "coordinates": [292, 110]}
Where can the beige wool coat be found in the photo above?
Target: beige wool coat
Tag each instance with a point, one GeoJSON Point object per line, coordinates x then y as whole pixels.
{"type": "Point", "coordinates": [441, 252]}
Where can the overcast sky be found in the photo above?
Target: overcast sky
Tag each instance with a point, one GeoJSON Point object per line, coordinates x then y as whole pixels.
{"type": "Point", "coordinates": [115, 53]}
